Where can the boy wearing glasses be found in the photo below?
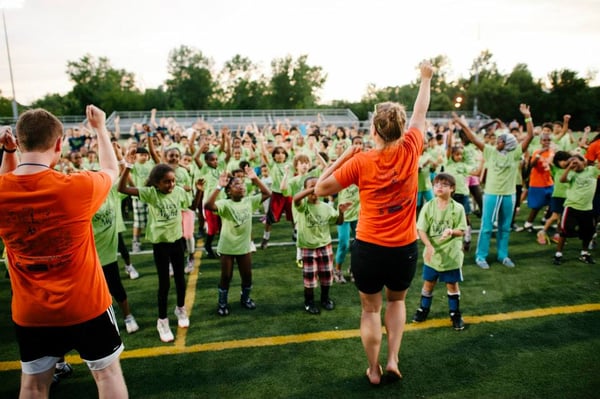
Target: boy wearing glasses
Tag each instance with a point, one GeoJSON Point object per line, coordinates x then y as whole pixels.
{"type": "Point", "coordinates": [441, 226]}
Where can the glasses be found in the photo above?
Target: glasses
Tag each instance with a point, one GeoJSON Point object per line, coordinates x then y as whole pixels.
{"type": "Point", "coordinates": [439, 184]}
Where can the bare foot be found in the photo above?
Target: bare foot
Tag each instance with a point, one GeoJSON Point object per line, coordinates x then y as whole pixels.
{"type": "Point", "coordinates": [375, 378]}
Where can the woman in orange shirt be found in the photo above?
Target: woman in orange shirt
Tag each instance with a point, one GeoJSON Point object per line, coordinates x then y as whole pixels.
{"type": "Point", "coordinates": [385, 250]}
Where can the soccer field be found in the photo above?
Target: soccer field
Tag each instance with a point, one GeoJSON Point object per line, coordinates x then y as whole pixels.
{"type": "Point", "coordinates": [532, 332]}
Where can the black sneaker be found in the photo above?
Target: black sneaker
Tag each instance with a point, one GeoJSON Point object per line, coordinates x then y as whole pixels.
{"type": "Point", "coordinates": [248, 303]}
{"type": "Point", "coordinates": [311, 308]}
{"type": "Point", "coordinates": [421, 315]}
{"type": "Point", "coordinates": [61, 373]}
{"type": "Point", "coordinates": [457, 322]}
{"type": "Point", "coordinates": [328, 304]}
{"type": "Point", "coordinates": [264, 243]}
{"type": "Point", "coordinates": [223, 310]}
{"type": "Point", "coordinates": [557, 260]}
{"type": "Point", "coordinates": [587, 258]}
{"type": "Point", "coordinates": [466, 246]}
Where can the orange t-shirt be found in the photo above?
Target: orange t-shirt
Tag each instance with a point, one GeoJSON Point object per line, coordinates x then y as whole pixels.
{"type": "Point", "coordinates": [387, 182]}
{"type": "Point", "coordinates": [593, 152]}
{"type": "Point", "coordinates": [541, 173]}
{"type": "Point", "coordinates": [55, 273]}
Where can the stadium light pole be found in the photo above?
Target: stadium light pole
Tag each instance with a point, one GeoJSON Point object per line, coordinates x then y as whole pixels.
{"type": "Point", "coordinates": [12, 81]}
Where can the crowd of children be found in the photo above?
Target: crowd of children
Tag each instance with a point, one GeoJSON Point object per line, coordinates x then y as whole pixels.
{"type": "Point", "coordinates": [226, 177]}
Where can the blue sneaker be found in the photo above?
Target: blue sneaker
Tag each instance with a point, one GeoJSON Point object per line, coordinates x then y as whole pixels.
{"type": "Point", "coordinates": [482, 263]}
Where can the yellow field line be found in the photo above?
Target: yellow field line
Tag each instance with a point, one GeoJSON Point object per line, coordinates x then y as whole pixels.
{"type": "Point", "coordinates": [323, 335]}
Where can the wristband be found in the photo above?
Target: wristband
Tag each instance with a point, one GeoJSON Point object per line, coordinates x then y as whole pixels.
{"type": "Point", "coordinates": [527, 120]}
{"type": "Point", "coordinates": [128, 165]}
{"type": "Point", "coordinates": [10, 151]}
{"type": "Point", "coordinates": [122, 162]}
{"type": "Point", "coordinates": [220, 188]}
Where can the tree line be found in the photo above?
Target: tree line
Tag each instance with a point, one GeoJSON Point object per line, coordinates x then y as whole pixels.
{"type": "Point", "coordinates": [194, 83]}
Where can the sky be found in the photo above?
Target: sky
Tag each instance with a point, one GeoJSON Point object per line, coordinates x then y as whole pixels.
{"type": "Point", "coordinates": [356, 42]}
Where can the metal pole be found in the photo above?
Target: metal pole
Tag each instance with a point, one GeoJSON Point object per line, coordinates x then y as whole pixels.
{"type": "Point", "coordinates": [12, 81]}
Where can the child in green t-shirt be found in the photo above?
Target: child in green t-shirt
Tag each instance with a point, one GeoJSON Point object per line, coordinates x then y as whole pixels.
{"type": "Point", "coordinates": [234, 241]}
{"type": "Point", "coordinates": [441, 226]}
{"type": "Point", "coordinates": [314, 241]}
{"type": "Point", "coordinates": [165, 202]}
{"type": "Point", "coordinates": [578, 216]}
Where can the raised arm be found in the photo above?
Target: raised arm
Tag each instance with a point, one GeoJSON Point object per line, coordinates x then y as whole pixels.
{"type": "Point", "coordinates": [106, 154]}
{"type": "Point", "coordinates": [264, 190]}
{"type": "Point", "coordinates": [524, 108]}
{"type": "Point", "coordinates": [123, 187]}
{"type": "Point", "coordinates": [212, 197]}
{"type": "Point", "coordinates": [327, 184]}
{"type": "Point", "coordinates": [468, 132]}
{"type": "Point", "coordinates": [422, 102]}
{"type": "Point", "coordinates": [9, 155]}
{"type": "Point", "coordinates": [152, 149]}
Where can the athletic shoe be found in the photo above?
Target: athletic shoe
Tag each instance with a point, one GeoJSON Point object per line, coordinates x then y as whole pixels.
{"type": "Point", "coordinates": [528, 227]}
{"type": "Point", "coordinates": [182, 318]}
{"type": "Point", "coordinates": [248, 303]}
{"type": "Point", "coordinates": [516, 228]}
{"type": "Point", "coordinates": [482, 263]}
{"type": "Point", "coordinates": [133, 274]}
{"type": "Point", "coordinates": [311, 308]}
{"type": "Point", "coordinates": [328, 304]}
{"type": "Point", "coordinates": [189, 267]}
{"type": "Point", "coordinates": [130, 324]}
{"type": "Point", "coordinates": [420, 315]}
{"type": "Point", "coordinates": [542, 238]}
{"type": "Point", "coordinates": [252, 246]}
{"type": "Point", "coordinates": [587, 258]}
{"type": "Point", "coordinates": [63, 372]}
{"type": "Point", "coordinates": [466, 246]}
{"type": "Point", "coordinates": [338, 276]}
{"type": "Point", "coordinates": [164, 331]}
{"type": "Point", "coordinates": [171, 273]}
{"type": "Point", "coordinates": [508, 262]}
{"type": "Point", "coordinates": [136, 247]}
{"type": "Point", "coordinates": [223, 310]}
{"type": "Point", "coordinates": [556, 260]}
{"type": "Point", "coordinates": [457, 322]}
{"type": "Point", "coordinates": [264, 243]}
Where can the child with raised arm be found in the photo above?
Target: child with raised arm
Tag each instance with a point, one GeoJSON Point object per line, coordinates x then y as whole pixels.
{"type": "Point", "coordinates": [578, 215]}
{"type": "Point", "coordinates": [165, 201]}
{"type": "Point", "coordinates": [314, 241]}
{"type": "Point", "coordinates": [234, 241]}
{"type": "Point", "coordinates": [441, 226]}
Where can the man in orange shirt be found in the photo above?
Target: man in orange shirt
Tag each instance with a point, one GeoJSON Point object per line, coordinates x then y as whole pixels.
{"type": "Point", "coordinates": [60, 297]}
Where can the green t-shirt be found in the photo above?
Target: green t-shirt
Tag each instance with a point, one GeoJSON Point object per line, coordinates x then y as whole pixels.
{"type": "Point", "coordinates": [433, 221]}
{"type": "Point", "coordinates": [105, 226]}
{"type": "Point", "coordinates": [560, 189]}
{"type": "Point", "coordinates": [460, 171]}
{"type": "Point", "coordinates": [140, 172]}
{"type": "Point", "coordinates": [581, 188]}
{"type": "Point", "coordinates": [313, 224]}
{"type": "Point", "coordinates": [164, 213]}
{"type": "Point", "coordinates": [236, 224]}
{"type": "Point", "coordinates": [211, 179]}
{"type": "Point", "coordinates": [352, 195]}
{"type": "Point", "coordinates": [183, 177]}
{"type": "Point", "coordinates": [502, 169]}
{"type": "Point", "coordinates": [277, 171]}
{"type": "Point", "coordinates": [424, 178]}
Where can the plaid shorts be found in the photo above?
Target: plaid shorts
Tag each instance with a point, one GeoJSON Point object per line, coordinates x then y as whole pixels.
{"type": "Point", "coordinates": [140, 213]}
{"type": "Point", "coordinates": [317, 262]}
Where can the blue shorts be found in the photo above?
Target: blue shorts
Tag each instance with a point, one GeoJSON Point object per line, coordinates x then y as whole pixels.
{"type": "Point", "coordinates": [424, 196]}
{"type": "Point", "coordinates": [374, 266]}
{"type": "Point", "coordinates": [538, 197]}
{"type": "Point", "coordinates": [557, 205]}
{"type": "Point", "coordinates": [465, 200]}
{"type": "Point", "coordinates": [449, 276]}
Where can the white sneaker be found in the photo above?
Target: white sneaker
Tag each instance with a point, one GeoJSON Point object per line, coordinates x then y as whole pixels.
{"type": "Point", "coordinates": [171, 270]}
{"type": "Point", "coordinates": [252, 246]}
{"type": "Point", "coordinates": [131, 325]}
{"type": "Point", "coordinates": [182, 317]}
{"type": "Point", "coordinates": [189, 267]}
{"type": "Point", "coordinates": [136, 247]}
{"type": "Point", "coordinates": [166, 335]}
{"type": "Point", "coordinates": [133, 274]}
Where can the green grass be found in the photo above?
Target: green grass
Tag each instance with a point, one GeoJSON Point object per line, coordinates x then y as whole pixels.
{"type": "Point", "coordinates": [544, 357]}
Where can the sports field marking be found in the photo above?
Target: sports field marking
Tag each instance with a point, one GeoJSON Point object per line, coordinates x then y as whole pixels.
{"type": "Point", "coordinates": [179, 348]}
